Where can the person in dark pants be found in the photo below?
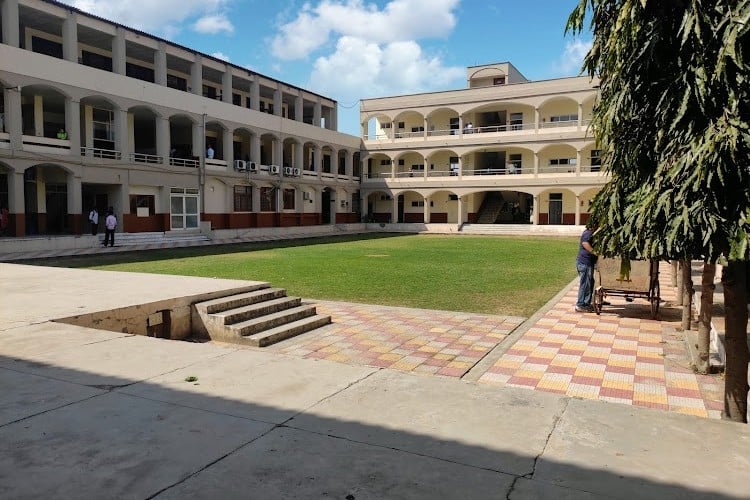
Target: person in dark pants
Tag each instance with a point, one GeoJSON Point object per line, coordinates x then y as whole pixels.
{"type": "Point", "coordinates": [94, 221]}
{"type": "Point", "coordinates": [585, 263]}
{"type": "Point", "coordinates": [110, 224]}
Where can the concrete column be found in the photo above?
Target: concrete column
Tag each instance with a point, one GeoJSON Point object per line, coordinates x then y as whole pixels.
{"type": "Point", "coordinates": [122, 205]}
{"type": "Point", "coordinates": [578, 210]}
{"type": "Point", "coordinates": [427, 210]}
{"type": "Point", "coordinates": [535, 211]}
{"type": "Point", "coordinates": [460, 166]}
{"type": "Point", "coordinates": [199, 140]}
{"type": "Point", "coordinates": [334, 117]}
{"type": "Point", "coordinates": [255, 94]}
{"type": "Point", "coordinates": [580, 115]}
{"type": "Point", "coordinates": [160, 65]}
{"type": "Point", "coordinates": [121, 132]}
{"type": "Point", "coordinates": [536, 120]}
{"type": "Point", "coordinates": [196, 75]}
{"type": "Point", "coordinates": [9, 11]}
{"type": "Point", "coordinates": [227, 143]}
{"type": "Point", "coordinates": [393, 169]}
{"type": "Point", "coordinates": [13, 117]}
{"type": "Point", "coordinates": [88, 125]}
{"type": "Point", "coordinates": [394, 209]}
{"type": "Point", "coordinates": [255, 148]}
{"type": "Point", "coordinates": [73, 126]}
{"type": "Point", "coordinates": [578, 162]}
{"type": "Point", "coordinates": [16, 183]}
{"type": "Point", "coordinates": [75, 203]}
{"type": "Point", "coordinates": [299, 156]}
{"type": "Point", "coordinates": [318, 159]}
{"type": "Point", "coordinates": [277, 101]}
{"type": "Point", "coordinates": [461, 125]}
{"type": "Point", "coordinates": [70, 38]}
{"type": "Point", "coordinates": [364, 208]}
{"type": "Point", "coordinates": [298, 108]}
{"type": "Point", "coordinates": [255, 198]}
{"type": "Point", "coordinates": [349, 163]}
{"type": "Point", "coordinates": [278, 153]}
{"type": "Point", "coordinates": [226, 84]}
{"type": "Point", "coordinates": [536, 164]}
{"type": "Point", "coordinates": [163, 201]}
{"type": "Point", "coordinates": [317, 113]}
{"type": "Point", "coordinates": [162, 139]}
{"type": "Point", "coordinates": [119, 52]}
{"type": "Point", "coordinates": [38, 116]}
{"type": "Point", "coordinates": [460, 208]}
{"type": "Point", "coordinates": [364, 130]}
{"type": "Point", "coordinates": [426, 163]}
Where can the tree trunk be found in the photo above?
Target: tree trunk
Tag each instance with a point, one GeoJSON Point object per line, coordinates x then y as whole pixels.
{"type": "Point", "coordinates": [675, 271]}
{"type": "Point", "coordinates": [687, 300]}
{"type": "Point", "coordinates": [704, 320]}
{"type": "Point", "coordinates": [680, 290]}
{"type": "Point", "coordinates": [735, 302]}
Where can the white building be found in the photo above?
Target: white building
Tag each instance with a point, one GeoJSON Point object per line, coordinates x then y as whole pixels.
{"type": "Point", "coordinates": [503, 150]}
{"type": "Point", "coordinates": [95, 114]}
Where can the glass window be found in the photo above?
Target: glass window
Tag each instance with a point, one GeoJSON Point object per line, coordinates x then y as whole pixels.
{"type": "Point", "coordinates": [267, 199]}
{"type": "Point", "coordinates": [243, 198]}
{"type": "Point", "coordinates": [288, 199]}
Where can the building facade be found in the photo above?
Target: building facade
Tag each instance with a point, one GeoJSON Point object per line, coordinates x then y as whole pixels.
{"type": "Point", "coordinates": [95, 114]}
{"type": "Point", "coordinates": [503, 150]}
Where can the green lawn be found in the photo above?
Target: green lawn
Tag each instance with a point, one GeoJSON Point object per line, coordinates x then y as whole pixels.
{"type": "Point", "coordinates": [496, 275]}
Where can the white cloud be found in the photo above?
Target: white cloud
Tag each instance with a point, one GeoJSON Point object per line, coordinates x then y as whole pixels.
{"type": "Point", "coordinates": [359, 68]}
{"type": "Point", "coordinates": [163, 17]}
{"type": "Point", "coordinates": [220, 55]}
{"type": "Point", "coordinates": [399, 20]}
{"type": "Point", "coordinates": [213, 24]}
{"type": "Point", "coordinates": [571, 61]}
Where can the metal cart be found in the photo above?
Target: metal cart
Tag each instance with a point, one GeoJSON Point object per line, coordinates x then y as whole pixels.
{"type": "Point", "coordinates": [641, 282]}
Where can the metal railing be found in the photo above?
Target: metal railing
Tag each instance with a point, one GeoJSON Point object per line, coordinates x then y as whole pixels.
{"type": "Point", "coordinates": [184, 162]}
{"type": "Point", "coordinates": [145, 158]}
{"type": "Point", "coordinates": [110, 154]}
{"type": "Point", "coordinates": [562, 123]}
{"type": "Point", "coordinates": [403, 135]}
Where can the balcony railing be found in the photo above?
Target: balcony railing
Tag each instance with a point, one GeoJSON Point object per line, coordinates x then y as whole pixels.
{"type": "Point", "coordinates": [145, 158]}
{"type": "Point", "coordinates": [561, 123]}
{"type": "Point", "coordinates": [109, 154]}
{"type": "Point", "coordinates": [566, 170]}
{"type": "Point", "coordinates": [184, 162]}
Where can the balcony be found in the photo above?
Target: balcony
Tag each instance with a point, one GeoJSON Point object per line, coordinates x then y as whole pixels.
{"type": "Point", "coordinates": [506, 173]}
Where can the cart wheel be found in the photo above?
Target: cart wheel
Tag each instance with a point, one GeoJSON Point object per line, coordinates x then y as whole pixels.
{"type": "Point", "coordinates": [598, 299]}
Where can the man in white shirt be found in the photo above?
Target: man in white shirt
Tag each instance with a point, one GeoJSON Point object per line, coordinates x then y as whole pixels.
{"type": "Point", "coordinates": [210, 152]}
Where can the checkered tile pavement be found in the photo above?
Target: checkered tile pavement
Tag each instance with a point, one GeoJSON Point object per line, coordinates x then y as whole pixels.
{"type": "Point", "coordinates": [416, 340]}
{"type": "Point", "coordinates": [621, 356]}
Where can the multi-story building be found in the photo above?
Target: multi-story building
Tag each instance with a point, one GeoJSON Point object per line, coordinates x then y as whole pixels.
{"type": "Point", "coordinates": [503, 150]}
{"type": "Point", "coordinates": [95, 114]}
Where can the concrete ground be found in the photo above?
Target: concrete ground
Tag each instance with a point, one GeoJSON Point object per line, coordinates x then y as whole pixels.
{"type": "Point", "coordinates": [86, 413]}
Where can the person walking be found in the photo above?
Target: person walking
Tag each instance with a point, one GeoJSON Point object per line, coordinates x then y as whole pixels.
{"type": "Point", "coordinates": [110, 224]}
{"type": "Point", "coordinates": [94, 221]}
{"type": "Point", "coordinates": [585, 263]}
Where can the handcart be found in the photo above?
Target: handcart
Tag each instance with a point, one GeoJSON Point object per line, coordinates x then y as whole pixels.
{"type": "Point", "coordinates": [640, 281]}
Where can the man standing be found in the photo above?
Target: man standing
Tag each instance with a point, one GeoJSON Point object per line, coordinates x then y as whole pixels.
{"type": "Point", "coordinates": [585, 263]}
{"type": "Point", "coordinates": [110, 224]}
{"type": "Point", "coordinates": [94, 221]}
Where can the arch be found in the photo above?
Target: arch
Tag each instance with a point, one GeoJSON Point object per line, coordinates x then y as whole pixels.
{"type": "Point", "coordinates": [377, 126]}
{"type": "Point", "coordinates": [47, 199]}
{"type": "Point", "coordinates": [558, 111]}
{"type": "Point", "coordinates": [408, 123]}
{"type": "Point", "coordinates": [379, 205]}
{"type": "Point", "coordinates": [409, 164]}
{"type": "Point", "coordinates": [557, 206]}
{"type": "Point", "coordinates": [379, 165]}
{"type": "Point", "coordinates": [499, 117]}
{"type": "Point", "coordinates": [54, 110]}
{"type": "Point", "coordinates": [443, 121]}
{"type": "Point", "coordinates": [558, 158]}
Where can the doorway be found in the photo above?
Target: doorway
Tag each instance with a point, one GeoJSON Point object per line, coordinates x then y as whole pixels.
{"type": "Point", "coordinates": [555, 208]}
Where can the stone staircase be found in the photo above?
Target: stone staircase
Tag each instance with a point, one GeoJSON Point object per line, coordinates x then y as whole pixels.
{"type": "Point", "coordinates": [169, 238]}
{"type": "Point", "coordinates": [521, 230]}
{"type": "Point", "coordinates": [490, 209]}
{"type": "Point", "coordinates": [259, 317]}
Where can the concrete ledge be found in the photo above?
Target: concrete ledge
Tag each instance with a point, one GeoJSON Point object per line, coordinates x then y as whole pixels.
{"type": "Point", "coordinates": [715, 365]}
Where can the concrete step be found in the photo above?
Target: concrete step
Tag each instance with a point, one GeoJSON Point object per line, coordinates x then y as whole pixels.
{"type": "Point", "coordinates": [256, 325]}
{"type": "Point", "coordinates": [287, 331]}
{"type": "Point", "coordinates": [239, 314]}
{"type": "Point", "coordinates": [262, 293]}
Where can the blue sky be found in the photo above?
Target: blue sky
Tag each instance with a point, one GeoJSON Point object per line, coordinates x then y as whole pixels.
{"type": "Point", "coordinates": [354, 49]}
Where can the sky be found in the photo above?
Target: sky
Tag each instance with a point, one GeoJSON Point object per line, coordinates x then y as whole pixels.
{"type": "Point", "coordinates": [349, 50]}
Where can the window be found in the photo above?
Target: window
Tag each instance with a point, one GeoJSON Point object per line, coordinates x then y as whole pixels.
{"type": "Point", "coordinates": [237, 99]}
{"type": "Point", "coordinates": [288, 196]}
{"type": "Point", "coordinates": [96, 60]}
{"type": "Point", "coordinates": [498, 81]}
{"type": "Point", "coordinates": [139, 72]}
{"type": "Point", "coordinates": [417, 129]}
{"type": "Point", "coordinates": [209, 91]}
{"type": "Point", "coordinates": [388, 162]}
{"type": "Point", "coordinates": [143, 201]}
{"type": "Point", "coordinates": [385, 125]}
{"type": "Point", "coordinates": [515, 161]}
{"type": "Point", "coordinates": [564, 118]}
{"type": "Point", "coordinates": [401, 124]}
{"type": "Point", "coordinates": [596, 159]}
{"type": "Point", "coordinates": [243, 198]}
{"type": "Point", "coordinates": [46, 47]}
{"type": "Point", "coordinates": [103, 129]}
{"type": "Point", "coordinates": [453, 197]}
{"type": "Point", "coordinates": [417, 203]}
{"type": "Point", "coordinates": [562, 161]}
{"type": "Point", "coordinates": [417, 166]}
{"type": "Point", "coordinates": [401, 162]}
{"type": "Point", "coordinates": [175, 82]}
{"type": "Point", "coordinates": [516, 121]}
{"type": "Point", "coordinates": [267, 199]}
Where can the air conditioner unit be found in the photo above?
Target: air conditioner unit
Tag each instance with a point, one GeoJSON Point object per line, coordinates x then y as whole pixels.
{"type": "Point", "coordinates": [274, 169]}
{"type": "Point", "coordinates": [288, 170]}
{"type": "Point", "coordinates": [252, 166]}
{"type": "Point", "coordinates": [240, 165]}
{"type": "Point", "coordinates": [297, 172]}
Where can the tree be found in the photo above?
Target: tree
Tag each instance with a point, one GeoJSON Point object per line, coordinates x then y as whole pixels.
{"type": "Point", "coordinates": [672, 124]}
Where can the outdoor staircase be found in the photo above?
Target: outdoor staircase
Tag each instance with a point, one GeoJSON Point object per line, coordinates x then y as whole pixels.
{"type": "Point", "coordinates": [490, 209]}
{"type": "Point", "coordinates": [169, 238]}
{"type": "Point", "coordinates": [259, 317]}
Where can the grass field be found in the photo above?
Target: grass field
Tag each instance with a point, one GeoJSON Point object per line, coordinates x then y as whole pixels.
{"type": "Point", "coordinates": [495, 275]}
